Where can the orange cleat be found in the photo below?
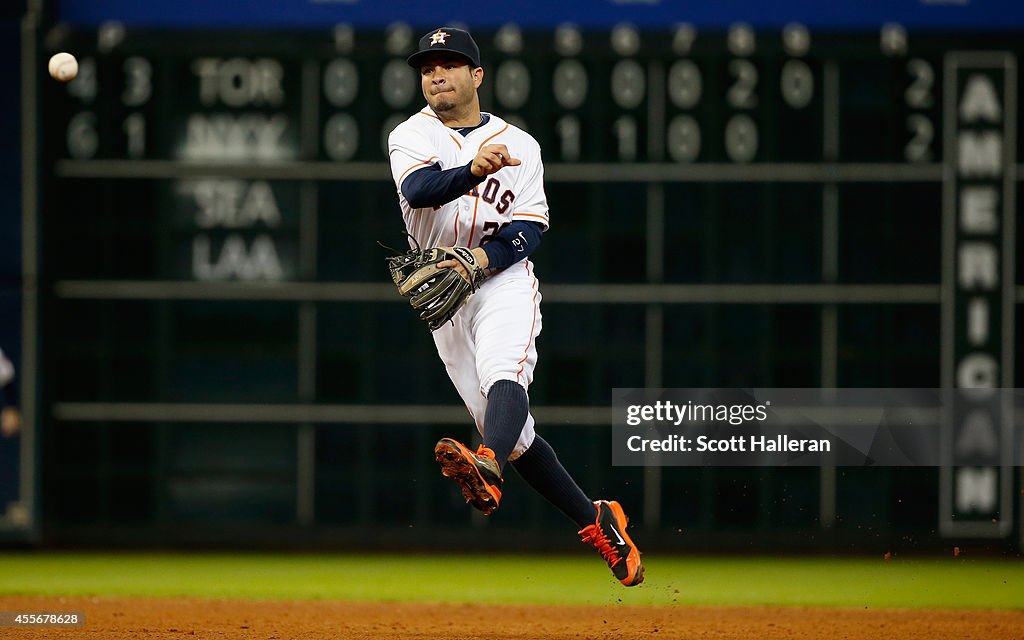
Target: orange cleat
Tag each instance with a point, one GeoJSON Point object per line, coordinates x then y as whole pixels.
{"type": "Point", "coordinates": [608, 535]}
{"type": "Point", "coordinates": [477, 473]}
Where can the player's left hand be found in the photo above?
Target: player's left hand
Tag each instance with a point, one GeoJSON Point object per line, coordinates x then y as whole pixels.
{"type": "Point", "coordinates": [438, 281]}
{"type": "Point", "coordinates": [478, 253]}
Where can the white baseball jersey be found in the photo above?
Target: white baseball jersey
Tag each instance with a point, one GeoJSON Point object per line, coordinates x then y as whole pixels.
{"type": "Point", "coordinates": [511, 193]}
{"type": "Point", "coordinates": [494, 336]}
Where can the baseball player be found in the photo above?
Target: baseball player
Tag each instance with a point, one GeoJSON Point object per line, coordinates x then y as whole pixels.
{"type": "Point", "coordinates": [470, 179]}
{"type": "Point", "coordinates": [10, 418]}
{"type": "Point", "coordinates": [10, 445]}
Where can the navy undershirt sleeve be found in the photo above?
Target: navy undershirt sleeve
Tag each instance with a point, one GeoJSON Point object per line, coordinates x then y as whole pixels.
{"type": "Point", "coordinates": [513, 243]}
{"type": "Point", "coordinates": [432, 187]}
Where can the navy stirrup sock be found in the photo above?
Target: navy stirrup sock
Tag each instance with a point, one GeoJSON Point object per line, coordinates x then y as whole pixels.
{"type": "Point", "coordinates": [507, 409]}
{"type": "Point", "coordinates": [540, 467]}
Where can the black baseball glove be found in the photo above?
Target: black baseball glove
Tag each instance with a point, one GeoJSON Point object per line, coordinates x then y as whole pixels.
{"type": "Point", "coordinates": [437, 294]}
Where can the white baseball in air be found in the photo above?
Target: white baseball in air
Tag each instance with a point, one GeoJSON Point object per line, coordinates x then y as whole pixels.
{"type": "Point", "coordinates": [63, 67]}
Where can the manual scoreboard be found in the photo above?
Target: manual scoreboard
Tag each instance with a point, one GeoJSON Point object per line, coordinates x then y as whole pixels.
{"type": "Point", "coordinates": [225, 132]}
{"type": "Point", "coordinates": [803, 207]}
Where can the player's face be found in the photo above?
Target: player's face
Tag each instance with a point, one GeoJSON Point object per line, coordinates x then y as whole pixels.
{"type": "Point", "coordinates": [449, 83]}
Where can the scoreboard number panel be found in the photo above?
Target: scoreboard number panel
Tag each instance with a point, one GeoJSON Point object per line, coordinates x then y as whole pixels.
{"type": "Point", "coordinates": [110, 119]}
{"type": "Point", "coordinates": [788, 164]}
{"type": "Point", "coordinates": [898, 99]}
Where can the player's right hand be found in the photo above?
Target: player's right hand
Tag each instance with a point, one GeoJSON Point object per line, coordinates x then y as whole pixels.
{"type": "Point", "coordinates": [491, 158]}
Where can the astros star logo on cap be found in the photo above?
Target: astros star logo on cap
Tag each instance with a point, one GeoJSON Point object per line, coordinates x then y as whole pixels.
{"type": "Point", "coordinates": [438, 38]}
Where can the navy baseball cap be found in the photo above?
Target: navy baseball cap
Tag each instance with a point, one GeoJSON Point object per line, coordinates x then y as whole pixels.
{"type": "Point", "coordinates": [446, 40]}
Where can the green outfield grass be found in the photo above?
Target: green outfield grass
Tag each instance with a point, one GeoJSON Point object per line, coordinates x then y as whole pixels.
{"type": "Point", "coordinates": [673, 581]}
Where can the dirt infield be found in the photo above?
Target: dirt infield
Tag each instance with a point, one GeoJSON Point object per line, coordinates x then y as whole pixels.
{"type": "Point", "coordinates": [277, 620]}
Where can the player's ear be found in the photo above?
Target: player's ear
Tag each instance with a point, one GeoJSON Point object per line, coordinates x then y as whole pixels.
{"type": "Point", "coordinates": [478, 77]}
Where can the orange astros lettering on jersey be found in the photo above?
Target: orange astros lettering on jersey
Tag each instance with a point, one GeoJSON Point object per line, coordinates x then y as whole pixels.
{"type": "Point", "coordinates": [490, 190]}
{"type": "Point", "coordinates": [505, 202]}
{"type": "Point", "coordinates": [489, 194]}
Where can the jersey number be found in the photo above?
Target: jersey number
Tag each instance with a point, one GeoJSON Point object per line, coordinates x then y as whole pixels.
{"type": "Point", "coordinates": [492, 229]}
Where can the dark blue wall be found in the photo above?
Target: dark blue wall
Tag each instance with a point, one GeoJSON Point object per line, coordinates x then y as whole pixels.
{"type": "Point", "coordinates": [10, 176]}
{"type": "Point", "coordinates": [849, 14]}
